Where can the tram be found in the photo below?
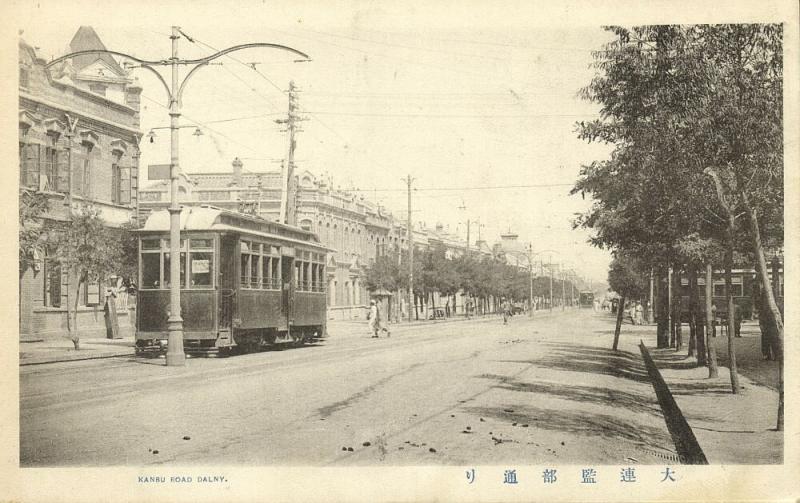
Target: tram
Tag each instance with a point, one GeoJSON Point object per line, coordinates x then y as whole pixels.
{"type": "Point", "coordinates": [587, 299]}
{"type": "Point", "coordinates": [246, 282]}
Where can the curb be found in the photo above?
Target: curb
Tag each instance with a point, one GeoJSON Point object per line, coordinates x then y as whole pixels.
{"type": "Point", "coordinates": [41, 360]}
{"type": "Point", "coordinates": [686, 444]}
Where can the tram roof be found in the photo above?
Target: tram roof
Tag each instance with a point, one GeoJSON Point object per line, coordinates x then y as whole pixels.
{"type": "Point", "coordinates": [208, 218]}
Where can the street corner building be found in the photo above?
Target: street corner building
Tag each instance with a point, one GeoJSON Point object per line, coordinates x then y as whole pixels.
{"type": "Point", "coordinates": [79, 148]}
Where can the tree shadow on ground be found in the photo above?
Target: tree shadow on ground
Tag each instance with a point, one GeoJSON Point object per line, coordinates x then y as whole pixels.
{"type": "Point", "coordinates": [668, 358]}
{"type": "Point", "coordinates": [580, 423]}
{"type": "Point", "coordinates": [590, 359]}
{"type": "Point", "coordinates": [635, 402]}
{"type": "Point", "coordinates": [699, 388]}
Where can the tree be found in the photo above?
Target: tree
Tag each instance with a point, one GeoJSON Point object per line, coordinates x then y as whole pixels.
{"type": "Point", "coordinates": [88, 249]}
{"type": "Point", "coordinates": [33, 206]}
{"type": "Point", "coordinates": [676, 101]}
{"type": "Point", "coordinates": [383, 274]}
{"type": "Point", "coordinates": [626, 277]}
{"type": "Point", "coordinates": [744, 103]}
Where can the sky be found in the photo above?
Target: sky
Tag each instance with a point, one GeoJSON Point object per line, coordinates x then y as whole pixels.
{"type": "Point", "coordinates": [481, 113]}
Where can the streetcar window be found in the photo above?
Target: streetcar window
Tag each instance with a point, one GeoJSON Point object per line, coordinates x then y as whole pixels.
{"type": "Point", "coordinates": [201, 268]}
{"type": "Point", "coordinates": [150, 270]}
{"type": "Point", "coordinates": [150, 244]}
{"type": "Point", "coordinates": [276, 273]}
{"type": "Point", "coordinates": [266, 274]}
{"type": "Point", "coordinates": [167, 269]}
{"type": "Point", "coordinates": [254, 260]}
{"type": "Point", "coordinates": [245, 268]}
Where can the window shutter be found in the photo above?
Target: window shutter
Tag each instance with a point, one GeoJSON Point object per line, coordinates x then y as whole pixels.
{"type": "Point", "coordinates": [31, 160]}
{"type": "Point", "coordinates": [62, 173]}
{"type": "Point", "coordinates": [124, 185]}
{"type": "Point", "coordinates": [115, 192]}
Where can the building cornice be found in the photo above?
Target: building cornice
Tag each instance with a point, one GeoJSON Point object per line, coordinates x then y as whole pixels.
{"type": "Point", "coordinates": [77, 112]}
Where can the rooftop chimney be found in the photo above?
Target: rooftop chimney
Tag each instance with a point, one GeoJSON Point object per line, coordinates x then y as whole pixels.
{"type": "Point", "coordinates": [237, 172]}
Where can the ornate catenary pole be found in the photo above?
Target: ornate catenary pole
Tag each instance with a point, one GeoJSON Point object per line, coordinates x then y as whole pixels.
{"type": "Point", "coordinates": [175, 353]}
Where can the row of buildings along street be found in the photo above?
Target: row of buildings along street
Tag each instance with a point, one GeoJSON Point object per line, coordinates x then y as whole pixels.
{"type": "Point", "coordinates": [84, 113]}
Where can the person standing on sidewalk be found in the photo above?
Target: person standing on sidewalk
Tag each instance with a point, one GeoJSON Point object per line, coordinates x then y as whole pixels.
{"type": "Point", "coordinates": [639, 313]}
{"type": "Point", "coordinates": [374, 320]}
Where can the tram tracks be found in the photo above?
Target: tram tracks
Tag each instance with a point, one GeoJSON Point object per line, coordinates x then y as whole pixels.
{"type": "Point", "coordinates": [243, 366]}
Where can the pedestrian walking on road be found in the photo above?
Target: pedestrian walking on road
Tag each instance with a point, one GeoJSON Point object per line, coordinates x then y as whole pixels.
{"type": "Point", "coordinates": [506, 307]}
{"type": "Point", "coordinates": [639, 313]}
{"type": "Point", "coordinates": [375, 321]}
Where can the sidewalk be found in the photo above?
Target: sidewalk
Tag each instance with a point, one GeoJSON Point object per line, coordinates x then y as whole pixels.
{"type": "Point", "coordinates": [730, 428]}
{"type": "Point", "coordinates": [62, 350]}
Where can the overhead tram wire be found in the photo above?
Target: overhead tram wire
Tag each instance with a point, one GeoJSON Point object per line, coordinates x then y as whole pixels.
{"type": "Point", "coordinates": [203, 124]}
{"type": "Point", "coordinates": [402, 46]}
{"type": "Point", "coordinates": [455, 116]}
{"type": "Point", "coordinates": [387, 56]}
{"type": "Point", "coordinates": [481, 187]}
{"type": "Point", "coordinates": [246, 65]}
{"type": "Point", "coordinates": [197, 41]}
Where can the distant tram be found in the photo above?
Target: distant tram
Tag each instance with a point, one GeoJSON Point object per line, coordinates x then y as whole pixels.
{"type": "Point", "coordinates": [587, 299]}
{"type": "Point", "coordinates": [245, 282]}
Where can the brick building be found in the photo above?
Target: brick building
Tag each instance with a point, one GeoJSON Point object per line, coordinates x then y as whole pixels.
{"type": "Point", "coordinates": [78, 141]}
{"type": "Point", "coordinates": [357, 229]}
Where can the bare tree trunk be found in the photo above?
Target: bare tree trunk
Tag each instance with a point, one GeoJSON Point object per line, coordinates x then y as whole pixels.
{"type": "Point", "coordinates": [731, 309]}
{"type": "Point", "coordinates": [73, 313]}
{"type": "Point", "coordinates": [698, 337]}
{"type": "Point", "coordinates": [620, 310]}
{"type": "Point", "coordinates": [662, 312]}
{"type": "Point", "coordinates": [774, 312]}
{"type": "Point", "coordinates": [676, 308]}
{"type": "Point", "coordinates": [713, 371]}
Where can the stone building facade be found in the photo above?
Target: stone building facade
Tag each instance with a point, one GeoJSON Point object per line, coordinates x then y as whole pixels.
{"type": "Point", "coordinates": [357, 229]}
{"type": "Point", "coordinates": [78, 142]}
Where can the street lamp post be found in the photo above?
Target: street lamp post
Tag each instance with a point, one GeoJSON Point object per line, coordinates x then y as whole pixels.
{"type": "Point", "coordinates": [530, 280]}
{"type": "Point", "coordinates": [175, 353]}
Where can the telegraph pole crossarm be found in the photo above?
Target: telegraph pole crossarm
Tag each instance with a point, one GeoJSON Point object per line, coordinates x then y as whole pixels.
{"type": "Point", "coordinates": [174, 90]}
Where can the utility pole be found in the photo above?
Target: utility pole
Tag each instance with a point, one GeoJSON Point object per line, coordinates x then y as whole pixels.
{"type": "Point", "coordinates": [551, 283]}
{"type": "Point", "coordinates": [572, 291]}
{"type": "Point", "coordinates": [288, 214]}
{"type": "Point", "coordinates": [410, 239]}
{"type": "Point", "coordinates": [563, 288]}
{"type": "Point", "coordinates": [464, 207]}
